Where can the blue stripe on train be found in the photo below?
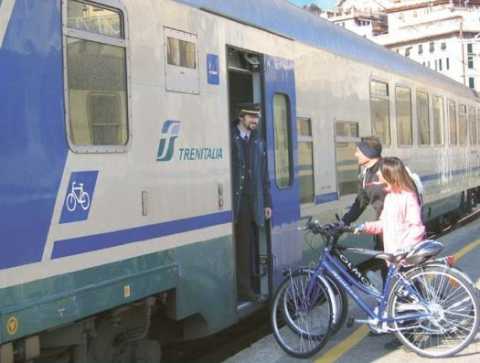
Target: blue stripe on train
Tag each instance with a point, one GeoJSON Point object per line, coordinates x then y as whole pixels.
{"type": "Point", "coordinates": [101, 241]}
{"type": "Point", "coordinates": [33, 146]}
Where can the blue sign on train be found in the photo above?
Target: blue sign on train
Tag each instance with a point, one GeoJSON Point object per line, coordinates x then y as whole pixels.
{"type": "Point", "coordinates": [79, 196]}
{"type": "Point", "coordinates": [213, 69]}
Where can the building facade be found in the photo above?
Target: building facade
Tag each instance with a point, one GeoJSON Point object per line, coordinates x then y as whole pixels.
{"type": "Point", "coordinates": [443, 35]}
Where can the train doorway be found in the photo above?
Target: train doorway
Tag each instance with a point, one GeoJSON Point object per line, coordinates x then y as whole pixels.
{"type": "Point", "coordinates": [251, 259]}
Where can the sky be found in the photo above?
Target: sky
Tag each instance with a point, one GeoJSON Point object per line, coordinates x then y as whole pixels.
{"type": "Point", "coordinates": [323, 4]}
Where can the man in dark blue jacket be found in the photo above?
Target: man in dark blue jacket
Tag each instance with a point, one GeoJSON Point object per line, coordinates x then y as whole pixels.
{"type": "Point", "coordinates": [252, 203]}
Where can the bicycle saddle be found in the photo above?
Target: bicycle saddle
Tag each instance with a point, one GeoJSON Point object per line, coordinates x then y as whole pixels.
{"type": "Point", "coordinates": [415, 255]}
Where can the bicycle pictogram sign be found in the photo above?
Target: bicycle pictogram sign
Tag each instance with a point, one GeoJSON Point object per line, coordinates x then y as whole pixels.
{"type": "Point", "coordinates": [79, 196]}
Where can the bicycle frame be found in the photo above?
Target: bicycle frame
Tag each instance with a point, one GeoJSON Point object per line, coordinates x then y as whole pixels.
{"type": "Point", "coordinates": [330, 265]}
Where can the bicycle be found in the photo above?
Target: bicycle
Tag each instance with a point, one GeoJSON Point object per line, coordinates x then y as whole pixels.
{"type": "Point", "coordinates": [429, 305]}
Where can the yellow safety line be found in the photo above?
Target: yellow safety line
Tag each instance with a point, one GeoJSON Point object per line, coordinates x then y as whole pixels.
{"type": "Point", "coordinates": [347, 344]}
{"type": "Point", "coordinates": [468, 248]}
{"type": "Point", "coordinates": [343, 347]}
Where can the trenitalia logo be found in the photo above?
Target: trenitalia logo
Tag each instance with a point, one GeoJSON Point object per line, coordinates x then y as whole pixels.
{"type": "Point", "coordinates": [170, 132]}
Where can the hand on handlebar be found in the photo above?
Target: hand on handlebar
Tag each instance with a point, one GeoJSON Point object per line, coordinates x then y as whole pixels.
{"type": "Point", "coordinates": [358, 229]}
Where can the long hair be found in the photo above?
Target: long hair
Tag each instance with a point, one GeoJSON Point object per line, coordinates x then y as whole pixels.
{"type": "Point", "coordinates": [395, 173]}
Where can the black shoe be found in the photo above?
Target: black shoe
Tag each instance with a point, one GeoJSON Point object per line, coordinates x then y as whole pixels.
{"type": "Point", "coordinates": [250, 296]}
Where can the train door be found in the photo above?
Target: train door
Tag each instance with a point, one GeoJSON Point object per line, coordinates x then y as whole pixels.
{"type": "Point", "coordinates": [286, 242]}
{"type": "Point", "coordinates": [245, 86]}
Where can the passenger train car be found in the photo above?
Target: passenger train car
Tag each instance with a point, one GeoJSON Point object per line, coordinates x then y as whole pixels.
{"type": "Point", "coordinates": [115, 196]}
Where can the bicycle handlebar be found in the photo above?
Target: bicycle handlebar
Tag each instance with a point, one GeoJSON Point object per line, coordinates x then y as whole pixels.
{"type": "Point", "coordinates": [330, 231]}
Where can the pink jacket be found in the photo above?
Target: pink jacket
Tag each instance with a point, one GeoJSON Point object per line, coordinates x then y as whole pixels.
{"type": "Point", "coordinates": [400, 221]}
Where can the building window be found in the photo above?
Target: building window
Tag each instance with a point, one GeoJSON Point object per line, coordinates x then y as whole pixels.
{"type": "Point", "coordinates": [423, 118]}
{"type": "Point", "coordinates": [432, 47]}
{"type": "Point", "coordinates": [420, 49]}
{"type": "Point", "coordinates": [96, 76]}
{"type": "Point", "coordinates": [447, 63]}
{"type": "Point", "coordinates": [462, 125]}
{"type": "Point", "coordinates": [438, 120]}
{"type": "Point", "coordinates": [380, 111]}
{"type": "Point", "coordinates": [471, 82]}
{"type": "Point", "coordinates": [429, 64]}
{"type": "Point", "coordinates": [440, 64]}
{"type": "Point", "coordinates": [407, 51]}
{"type": "Point", "coordinates": [281, 117]}
{"type": "Point", "coordinates": [472, 125]}
{"type": "Point", "coordinates": [346, 137]}
{"type": "Point", "coordinates": [470, 48]}
{"type": "Point", "coordinates": [305, 160]}
{"type": "Point", "coordinates": [436, 65]}
{"type": "Point", "coordinates": [452, 122]}
{"type": "Point", "coordinates": [403, 102]}
{"type": "Point", "coordinates": [470, 62]}
{"type": "Point", "coordinates": [443, 46]}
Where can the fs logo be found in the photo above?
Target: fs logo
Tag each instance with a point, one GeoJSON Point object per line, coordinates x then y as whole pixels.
{"type": "Point", "coordinates": [170, 132]}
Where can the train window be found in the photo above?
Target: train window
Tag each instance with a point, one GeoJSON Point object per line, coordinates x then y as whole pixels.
{"type": "Point", "coordinates": [283, 164]}
{"type": "Point", "coordinates": [181, 53]}
{"type": "Point", "coordinates": [380, 110]}
{"type": "Point", "coordinates": [423, 118]}
{"type": "Point", "coordinates": [438, 120]}
{"type": "Point", "coordinates": [346, 137]}
{"type": "Point", "coordinates": [452, 121]}
{"type": "Point", "coordinates": [181, 66]}
{"type": "Point", "coordinates": [462, 125]}
{"type": "Point", "coordinates": [96, 78]}
{"type": "Point", "coordinates": [403, 101]}
{"type": "Point", "coordinates": [305, 160]}
{"type": "Point", "coordinates": [478, 125]}
{"type": "Point", "coordinates": [472, 125]}
{"type": "Point", "coordinates": [94, 19]}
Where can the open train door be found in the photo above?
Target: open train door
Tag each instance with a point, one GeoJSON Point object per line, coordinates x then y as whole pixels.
{"type": "Point", "coordinates": [286, 242]}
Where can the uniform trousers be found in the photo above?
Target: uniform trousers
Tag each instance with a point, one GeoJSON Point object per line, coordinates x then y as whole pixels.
{"type": "Point", "coordinates": [246, 248]}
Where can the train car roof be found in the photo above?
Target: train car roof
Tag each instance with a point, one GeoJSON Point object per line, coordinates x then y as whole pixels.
{"type": "Point", "coordinates": [285, 19]}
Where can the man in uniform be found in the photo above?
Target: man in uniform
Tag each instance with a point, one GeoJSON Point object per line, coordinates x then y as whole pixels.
{"type": "Point", "coordinates": [252, 203]}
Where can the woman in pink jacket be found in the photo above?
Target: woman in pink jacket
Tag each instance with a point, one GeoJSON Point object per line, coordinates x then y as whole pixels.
{"type": "Point", "coordinates": [400, 221]}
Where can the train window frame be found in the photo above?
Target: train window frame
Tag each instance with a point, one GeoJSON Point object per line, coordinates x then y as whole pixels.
{"type": "Point", "coordinates": [345, 139]}
{"type": "Point", "coordinates": [429, 119]}
{"type": "Point", "coordinates": [453, 103]}
{"type": "Point", "coordinates": [178, 78]}
{"type": "Point", "coordinates": [307, 139]}
{"type": "Point", "coordinates": [471, 134]}
{"type": "Point", "coordinates": [478, 125]}
{"type": "Point", "coordinates": [389, 110]}
{"type": "Point", "coordinates": [291, 175]}
{"type": "Point", "coordinates": [122, 42]}
{"type": "Point", "coordinates": [410, 88]}
{"type": "Point", "coordinates": [464, 106]}
{"type": "Point", "coordinates": [443, 122]}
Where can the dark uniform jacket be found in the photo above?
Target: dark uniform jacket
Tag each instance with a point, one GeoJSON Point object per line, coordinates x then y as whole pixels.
{"type": "Point", "coordinates": [259, 187]}
{"type": "Point", "coordinates": [371, 192]}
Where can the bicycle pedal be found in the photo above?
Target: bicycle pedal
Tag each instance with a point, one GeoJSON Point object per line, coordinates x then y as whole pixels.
{"type": "Point", "coordinates": [350, 322]}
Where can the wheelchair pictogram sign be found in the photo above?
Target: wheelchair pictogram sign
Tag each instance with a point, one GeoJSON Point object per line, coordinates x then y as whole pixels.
{"type": "Point", "coordinates": [79, 197]}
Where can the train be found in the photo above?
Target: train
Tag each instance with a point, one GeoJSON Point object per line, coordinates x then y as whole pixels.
{"type": "Point", "coordinates": [116, 206]}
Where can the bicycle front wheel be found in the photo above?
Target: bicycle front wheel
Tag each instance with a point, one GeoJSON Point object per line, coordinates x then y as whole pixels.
{"type": "Point", "coordinates": [301, 315]}
{"type": "Point", "coordinates": [451, 307]}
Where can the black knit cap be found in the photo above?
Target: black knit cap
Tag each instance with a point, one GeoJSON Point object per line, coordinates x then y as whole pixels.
{"type": "Point", "coordinates": [370, 147]}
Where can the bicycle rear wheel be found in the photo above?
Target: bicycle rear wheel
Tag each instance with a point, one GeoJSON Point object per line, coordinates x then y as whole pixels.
{"type": "Point", "coordinates": [452, 308]}
{"type": "Point", "coordinates": [302, 315]}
